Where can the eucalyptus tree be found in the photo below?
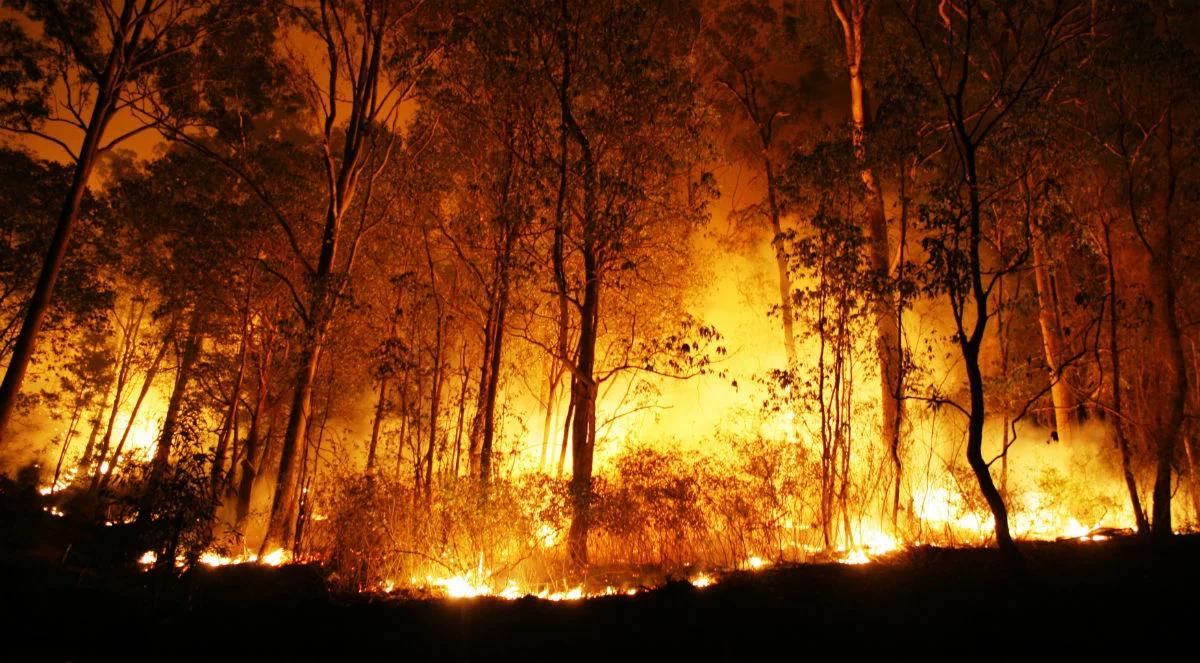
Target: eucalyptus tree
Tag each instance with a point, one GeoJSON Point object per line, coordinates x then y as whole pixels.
{"type": "Point", "coordinates": [756, 58]}
{"type": "Point", "coordinates": [853, 17]}
{"type": "Point", "coordinates": [1132, 113]}
{"type": "Point", "coordinates": [344, 71]}
{"type": "Point", "coordinates": [91, 61]}
{"type": "Point", "coordinates": [630, 136]}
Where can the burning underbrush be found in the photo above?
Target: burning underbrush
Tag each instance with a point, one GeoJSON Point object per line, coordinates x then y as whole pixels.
{"type": "Point", "coordinates": [657, 515]}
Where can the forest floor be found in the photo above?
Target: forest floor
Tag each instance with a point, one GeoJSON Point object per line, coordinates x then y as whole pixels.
{"type": "Point", "coordinates": [1075, 598]}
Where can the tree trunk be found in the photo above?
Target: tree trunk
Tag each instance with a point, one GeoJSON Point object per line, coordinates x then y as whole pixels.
{"type": "Point", "coordinates": [85, 461]}
{"type": "Point", "coordinates": [62, 454]}
{"type": "Point", "coordinates": [497, 351]}
{"type": "Point", "coordinates": [376, 424]}
{"type": "Point", "coordinates": [435, 402]}
{"type": "Point", "coordinates": [252, 454]}
{"type": "Point", "coordinates": [162, 453]}
{"type": "Point", "coordinates": [781, 263]}
{"type": "Point", "coordinates": [101, 484]}
{"type": "Point", "coordinates": [583, 391]}
{"type": "Point", "coordinates": [1193, 467]}
{"type": "Point", "coordinates": [1135, 500]}
{"type": "Point", "coordinates": [566, 436]}
{"type": "Point", "coordinates": [1052, 337]}
{"type": "Point", "coordinates": [39, 302]}
{"type": "Point", "coordinates": [548, 421]}
{"type": "Point", "coordinates": [1173, 386]}
{"type": "Point", "coordinates": [283, 504]}
{"type": "Point", "coordinates": [887, 344]}
{"type": "Point", "coordinates": [228, 431]}
{"type": "Point", "coordinates": [970, 351]}
{"type": "Point", "coordinates": [462, 407]}
{"type": "Point", "coordinates": [124, 368]}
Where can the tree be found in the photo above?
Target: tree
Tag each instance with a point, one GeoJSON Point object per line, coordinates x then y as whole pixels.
{"type": "Point", "coordinates": [370, 58]}
{"type": "Point", "coordinates": [1130, 111]}
{"type": "Point", "coordinates": [747, 47]}
{"type": "Point", "coordinates": [626, 106]}
{"type": "Point", "coordinates": [852, 17]}
{"type": "Point", "coordinates": [988, 63]}
{"type": "Point", "coordinates": [101, 55]}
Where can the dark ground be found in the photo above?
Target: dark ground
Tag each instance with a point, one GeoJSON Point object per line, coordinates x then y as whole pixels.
{"type": "Point", "coordinates": [1076, 599]}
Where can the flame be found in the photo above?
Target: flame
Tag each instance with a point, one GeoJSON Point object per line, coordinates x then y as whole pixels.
{"type": "Point", "coordinates": [856, 557]}
{"type": "Point", "coordinates": [461, 587]}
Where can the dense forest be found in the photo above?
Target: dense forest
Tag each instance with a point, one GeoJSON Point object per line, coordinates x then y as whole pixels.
{"type": "Point", "coordinates": [487, 295]}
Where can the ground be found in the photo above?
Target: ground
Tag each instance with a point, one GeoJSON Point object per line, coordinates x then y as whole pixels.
{"type": "Point", "coordinates": [1075, 598]}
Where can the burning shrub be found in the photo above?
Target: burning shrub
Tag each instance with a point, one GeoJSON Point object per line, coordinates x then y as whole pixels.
{"type": "Point", "coordinates": [651, 510]}
{"type": "Point", "coordinates": [175, 512]}
{"type": "Point", "coordinates": [382, 532]}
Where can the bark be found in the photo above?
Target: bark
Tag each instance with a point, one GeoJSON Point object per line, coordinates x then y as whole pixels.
{"type": "Point", "coordinates": [85, 462]}
{"type": "Point", "coordinates": [62, 454]}
{"type": "Point", "coordinates": [43, 291]}
{"type": "Point", "coordinates": [970, 346]}
{"type": "Point", "coordinates": [548, 421]}
{"type": "Point", "coordinates": [566, 436]}
{"type": "Point", "coordinates": [435, 387]}
{"type": "Point", "coordinates": [252, 450]}
{"type": "Point", "coordinates": [887, 333]}
{"type": "Point", "coordinates": [583, 390]}
{"type": "Point", "coordinates": [475, 438]}
{"type": "Point", "coordinates": [435, 402]}
{"type": "Point", "coordinates": [403, 435]}
{"type": "Point", "coordinates": [781, 261]}
{"type": "Point", "coordinates": [229, 429]}
{"type": "Point", "coordinates": [583, 384]}
{"type": "Point", "coordinates": [1171, 383]}
{"type": "Point", "coordinates": [1173, 387]}
{"type": "Point", "coordinates": [462, 408]}
{"type": "Point", "coordinates": [1052, 337]}
{"type": "Point", "coordinates": [1135, 500]}
{"type": "Point", "coordinates": [497, 350]}
{"type": "Point", "coordinates": [283, 505]}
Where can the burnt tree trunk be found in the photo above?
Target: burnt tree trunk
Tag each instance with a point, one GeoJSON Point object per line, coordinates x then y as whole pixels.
{"type": "Point", "coordinates": [970, 345]}
{"type": "Point", "coordinates": [376, 424]}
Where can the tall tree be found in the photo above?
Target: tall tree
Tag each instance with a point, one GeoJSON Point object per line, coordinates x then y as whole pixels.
{"type": "Point", "coordinates": [98, 51]}
{"type": "Point", "coordinates": [1133, 110]}
{"type": "Point", "coordinates": [627, 112]}
{"type": "Point", "coordinates": [747, 47]}
{"type": "Point", "coordinates": [852, 16]}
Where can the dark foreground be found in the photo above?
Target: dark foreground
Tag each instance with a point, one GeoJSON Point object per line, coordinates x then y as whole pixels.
{"type": "Point", "coordinates": [1075, 599]}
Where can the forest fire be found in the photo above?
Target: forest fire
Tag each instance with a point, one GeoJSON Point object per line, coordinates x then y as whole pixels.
{"type": "Point", "coordinates": [657, 300]}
